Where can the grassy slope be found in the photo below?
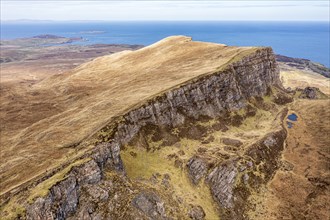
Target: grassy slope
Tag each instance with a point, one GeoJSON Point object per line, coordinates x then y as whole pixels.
{"type": "Point", "coordinates": [300, 189]}
{"type": "Point", "coordinates": [295, 78]}
{"type": "Point", "coordinates": [86, 98]}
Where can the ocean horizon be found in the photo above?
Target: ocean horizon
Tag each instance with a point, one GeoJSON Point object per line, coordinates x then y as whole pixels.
{"type": "Point", "coordinates": [303, 39]}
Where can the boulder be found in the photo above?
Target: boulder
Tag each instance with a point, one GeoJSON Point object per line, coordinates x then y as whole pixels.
{"type": "Point", "coordinates": [150, 204]}
{"type": "Point", "coordinates": [231, 142]}
{"type": "Point", "coordinates": [196, 213]}
{"type": "Point", "coordinates": [197, 168]}
{"type": "Point", "coordinates": [309, 93]}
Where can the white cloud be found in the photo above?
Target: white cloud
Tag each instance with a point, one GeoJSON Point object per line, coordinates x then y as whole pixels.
{"type": "Point", "coordinates": [164, 10]}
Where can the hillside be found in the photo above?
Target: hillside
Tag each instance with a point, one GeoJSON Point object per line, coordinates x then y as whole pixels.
{"type": "Point", "coordinates": [300, 78]}
{"type": "Point", "coordinates": [93, 94]}
{"type": "Point", "coordinates": [179, 129]}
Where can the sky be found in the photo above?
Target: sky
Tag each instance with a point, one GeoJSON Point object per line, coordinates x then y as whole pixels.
{"type": "Point", "coordinates": [185, 10]}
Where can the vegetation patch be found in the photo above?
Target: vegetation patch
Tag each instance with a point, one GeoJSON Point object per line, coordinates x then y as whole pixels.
{"type": "Point", "coordinates": [147, 164]}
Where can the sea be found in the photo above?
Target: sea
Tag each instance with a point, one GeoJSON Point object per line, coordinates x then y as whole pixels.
{"type": "Point", "coordinates": [309, 40]}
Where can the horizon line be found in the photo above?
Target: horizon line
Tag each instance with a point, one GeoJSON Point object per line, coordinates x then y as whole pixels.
{"type": "Point", "coordinates": [161, 20]}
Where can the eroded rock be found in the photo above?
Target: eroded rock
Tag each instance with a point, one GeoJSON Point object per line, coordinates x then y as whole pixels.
{"type": "Point", "coordinates": [150, 204]}
{"type": "Point", "coordinates": [221, 180]}
{"type": "Point", "coordinates": [282, 98]}
{"type": "Point", "coordinates": [231, 142]}
{"type": "Point", "coordinates": [197, 168]}
{"type": "Point", "coordinates": [61, 202]}
{"type": "Point", "coordinates": [196, 213]}
{"type": "Point", "coordinates": [87, 173]}
{"type": "Point", "coordinates": [310, 93]}
{"type": "Point", "coordinates": [63, 198]}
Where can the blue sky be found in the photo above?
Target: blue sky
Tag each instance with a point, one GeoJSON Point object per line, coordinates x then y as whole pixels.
{"type": "Point", "coordinates": [165, 10]}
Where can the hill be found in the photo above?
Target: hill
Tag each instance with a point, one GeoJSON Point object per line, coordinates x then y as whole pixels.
{"type": "Point", "coordinates": [93, 94]}
{"type": "Point", "coordinates": [179, 129]}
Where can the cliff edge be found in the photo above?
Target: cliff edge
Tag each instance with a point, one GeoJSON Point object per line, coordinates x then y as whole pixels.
{"type": "Point", "coordinates": [153, 98]}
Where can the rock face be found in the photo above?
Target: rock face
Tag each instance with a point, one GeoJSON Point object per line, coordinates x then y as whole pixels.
{"type": "Point", "coordinates": [150, 204]}
{"type": "Point", "coordinates": [222, 180]}
{"type": "Point", "coordinates": [212, 96]}
{"type": "Point", "coordinates": [63, 198]}
{"type": "Point", "coordinates": [197, 168]}
{"type": "Point", "coordinates": [310, 93]}
{"type": "Point", "coordinates": [196, 213]}
{"type": "Point", "coordinates": [106, 155]}
{"type": "Point", "coordinates": [229, 180]}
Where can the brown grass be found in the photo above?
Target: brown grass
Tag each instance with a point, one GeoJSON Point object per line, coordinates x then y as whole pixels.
{"type": "Point", "coordinates": [296, 78]}
{"type": "Point", "coordinates": [303, 192]}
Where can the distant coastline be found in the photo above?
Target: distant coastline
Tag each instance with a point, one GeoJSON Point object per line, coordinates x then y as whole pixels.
{"type": "Point", "coordinates": [308, 40]}
{"type": "Point", "coordinates": [46, 40]}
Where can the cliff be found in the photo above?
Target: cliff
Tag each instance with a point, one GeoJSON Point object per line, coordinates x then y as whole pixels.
{"type": "Point", "coordinates": [200, 89]}
{"type": "Point", "coordinates": [65, 109]}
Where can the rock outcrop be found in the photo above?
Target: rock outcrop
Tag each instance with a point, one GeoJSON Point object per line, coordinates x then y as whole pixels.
{"type": "Point", "coordinates": [62, 199]}
{"type": "Point", "coordinates": [232, 142]}
{"type": "Point", "coordinates": [310, 93]}
{"type": "Point", "coordinates": [196, 213]}
{"type": "Point", "coordinates": [229, 181]}
{"type": "Point", "coordinates": [197, 169]}
{"type": "Point", "coordinates": [150, 204]}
